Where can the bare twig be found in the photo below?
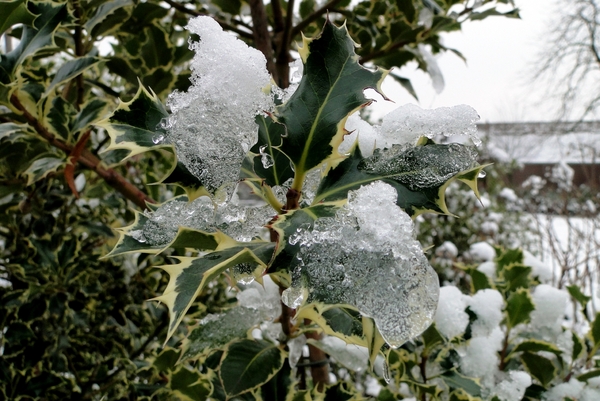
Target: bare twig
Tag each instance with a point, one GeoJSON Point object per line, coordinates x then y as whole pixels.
{"type": "Point", "coordinates": [89, 160]}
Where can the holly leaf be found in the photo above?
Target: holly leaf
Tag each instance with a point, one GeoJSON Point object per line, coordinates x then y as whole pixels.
{"type": "Point", "coordinates": [134, 125]}
{"type": "Point", "coordinates": [519, 307]}
{"type": "Point", "coordinates": [419, 174]}
{"type": "Point", "coordinates": [34, 37]}
{"type": "Point", "coordinates": [14, 12]}
{"type": "Point", "coordinates": [70, 70]}
{"type": "Point", "coordinates": [247, 364]}
{"type": "Point", "coordinates": [189, 277]}
{"type": "Point", "coordinates": [330, 90]}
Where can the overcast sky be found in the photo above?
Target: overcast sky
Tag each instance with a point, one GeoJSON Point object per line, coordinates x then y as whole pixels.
{"type": "Point", "coordinates": [493, 81]}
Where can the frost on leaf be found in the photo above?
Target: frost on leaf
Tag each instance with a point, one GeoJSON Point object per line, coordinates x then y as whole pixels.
{"type": "Point", "coordinates": [367, 257]}
{"type": "Point", "coordinates": [212, 124]}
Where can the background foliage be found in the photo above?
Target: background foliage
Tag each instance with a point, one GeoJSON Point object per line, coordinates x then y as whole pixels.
{"type": "Point", "coordinates": [75, 326]}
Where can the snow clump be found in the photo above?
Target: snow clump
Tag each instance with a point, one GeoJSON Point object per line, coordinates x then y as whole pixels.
{"type": "Point", "coordinates": [212, 124]}
{"type": "Point", "coordinates": [367, 256]}
{"type": "Point", "coordinates": [406, 124]}
{"type": "Point", "coordinates": [451, 319]}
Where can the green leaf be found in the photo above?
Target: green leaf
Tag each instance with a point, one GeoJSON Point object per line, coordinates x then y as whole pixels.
{"type": "Point", "coordinates": [190, 385]}
{"type": "Point", "coordinates": [539, 367]}
{"type": "Point", "coordinates": [181, 176]}
{"type": "Point", "coordinates": [91, 112]}
{"type": "Point", "coordinates": [269, 138]}
{"type": "Point", "coordinates": [595, 332]}
{"type": "Point", "coordinates": [58, 115]}
{"type": "Point", "coordinates": [70, 70]}
{"type": "Point", "coordinates": [330, 90]}
{"type": "Point", "coordinates": [535, 346]}
{"type": "Point", "coordinates": [229, 6]}
{"type": "Point", "coordinates": [579, 296]}
{"type": "Point", "coordinates": [406, 84]}
{"type": "Point", "coordinates": [219, 330]}
{"type": "Point", "coordinates": [34, 38]}
{"type": "Point", "coordinates": [588, 375]}
{"type": "Point", "coordinates": [432, 337]}
{"type": "Point", "coordinates": [577, 347]}
{"type": "Point", "coordinates": [41, 167]}
{"type": "Point", "coordinates": [519, 307]}
{"type": "Point", "coordinates": [247, 364]}
{"type": "Point", "coordinates": [306, 8]}
{"type": "Point", "coordinates": [105, 9]}
{"type": "Point", "coordinates": [508, 258]}
{"type": "Point", "coordinates": [419, 174]}
{"type": "Point", "coordinates": [189, 277]}
{"type": "Point", "coordinates": [13, 13]}
{"type": "Point", "coordinates": [135, 125]}
{"type": "Point", "coordinates": [515, 276]}
{"type": "Point", "coordinates": [455, 380]}
{"type": "Point", "coordinates": [407, 8]}
{"type": "Point", "coordinates": [132, 238]}
{"type": "Point", "coordinates": [479, 281]}
{"type": "Point", "coordinates": [475, 16]}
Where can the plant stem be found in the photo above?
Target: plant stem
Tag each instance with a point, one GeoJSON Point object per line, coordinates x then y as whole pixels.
{"type": "Point", "coordinates": [319, 368]}
{"type": "Point", "coordinates": [87, 158]}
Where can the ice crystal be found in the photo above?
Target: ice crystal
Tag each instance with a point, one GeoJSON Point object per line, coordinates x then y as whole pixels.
{"type": "Point", "coordinates": [367, 257]}
{"type": "Point", "coordinates": [212, 124]}
{"type": "Point", "coordinates": [419, 167]}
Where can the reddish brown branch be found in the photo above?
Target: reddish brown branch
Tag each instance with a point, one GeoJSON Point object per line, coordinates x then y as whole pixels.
{"type": "Point", "coordinates": [74, 155]}
{"type": "Point", "coordinates": [319, 363]}
{"type": "Point", "coordinates": [87, 158]}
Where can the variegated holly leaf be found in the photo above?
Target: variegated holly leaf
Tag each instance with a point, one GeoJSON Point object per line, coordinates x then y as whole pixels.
{"type": "Point", "coordinates": [135, 125]}
{"type": "Point", "coordinates": [71, 69]}
{"type": "Point", "coordinates": [149, 236]}
{"type": "Point", "coordinates": [330, 90]}
{"type": "Point", "coordinates": [35, 37]}
{"type": "Point", "coordinates": [419, 174]}
{"type": "Point", "coordinates": [189, 277]}
{"type": "Point", "coordinates": [247, 364]}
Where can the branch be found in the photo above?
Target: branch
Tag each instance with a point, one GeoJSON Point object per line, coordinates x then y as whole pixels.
{"type": "Point", "coordinates": [262, 38]}
{"type": "Point", "coordinates": [224, 24]}
{"type": "Point", "coordinates": [313, 17]}
{"type": "Point", "coordinates": [278, 24]}
{"type": "Point", "coordinates": [87, 158]}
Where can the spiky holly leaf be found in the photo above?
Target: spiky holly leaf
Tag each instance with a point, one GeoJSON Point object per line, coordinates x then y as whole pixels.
{"type": "Point", "coordinates": [330, 90]}
{"type": "Point", "coordinates": [71, 69]}
{"type": "Point", "coordinates": [419, 174]}
{"type": "Point", "coordinates": [266, 161]}
{"type": "Point", "coordinates": [135, 125]}
{"type": "Point", "coordinates": [35, 37]}
{"type": "Point", "coordinates": [14, 12]}
{"type": "Point", "coordinates": [189, 277]}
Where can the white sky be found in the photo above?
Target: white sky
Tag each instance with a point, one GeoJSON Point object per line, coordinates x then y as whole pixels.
{"type": "Point", "coordinates": [499, 52]}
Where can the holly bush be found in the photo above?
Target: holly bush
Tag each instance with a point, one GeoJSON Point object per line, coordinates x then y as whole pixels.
{"type": "Point", "coordinates": [327, 230]}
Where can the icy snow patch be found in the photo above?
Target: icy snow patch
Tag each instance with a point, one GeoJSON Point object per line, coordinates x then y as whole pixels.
{"type": "Point", "coordinates": [368, 257]}
{"type": "Point", "coordinates": [514, 387]}
{"type": "Point", "coordinates": [487, 305]}
{"type": "Point", "coordinates": [482, 251]}
{"type": "Point", "coordinates": [212, 125]}
{"type": "Point", "coordinates": [361, 129]}
{"type": "Point", "coordinates": [451, 319]}
{"type": "Point", "coordinates": [480, 357]}
{"type": "Point", "coordinates": [550, 304]}
{"type": "Point", "coordinates": [407, 123]}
